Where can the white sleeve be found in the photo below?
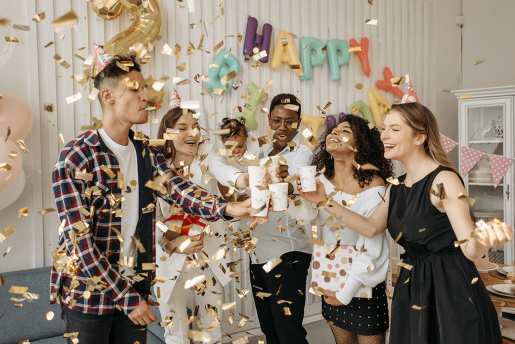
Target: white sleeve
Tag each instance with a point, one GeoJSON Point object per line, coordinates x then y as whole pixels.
{"type": "Point", "coordinates": [369, 267]}
{"type": "Point", "coordinates": [222, 171]}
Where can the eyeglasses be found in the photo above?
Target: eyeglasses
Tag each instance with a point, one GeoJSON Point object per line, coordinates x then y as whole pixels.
{"type": "Point", "coordinates": [276, 123]}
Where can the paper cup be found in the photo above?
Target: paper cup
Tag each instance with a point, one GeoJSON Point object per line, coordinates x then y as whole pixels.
{"type": "Point", "coordinates": [256, 176]}
{"type": "Point", "coordinates": [272, 167]}
{"type": "Point", "coordinates": [279, 196]}
{"type": "Point", "coordinates": [307, 178]}
{"type": "Point", "coordinates": [259, 198]}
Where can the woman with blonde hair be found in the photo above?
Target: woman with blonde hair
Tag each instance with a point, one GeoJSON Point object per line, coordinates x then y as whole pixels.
{"type": "Point", "coordinates": [439, 296]}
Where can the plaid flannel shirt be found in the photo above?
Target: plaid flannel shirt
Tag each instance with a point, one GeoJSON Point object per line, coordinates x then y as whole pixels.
{"type": "Point", "coordinates": [98, 251]}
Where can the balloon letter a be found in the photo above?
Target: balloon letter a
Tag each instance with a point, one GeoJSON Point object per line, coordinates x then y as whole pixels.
{"type": "Point", "coordinates": [250, 112]}
{"type": "Point", "coordinates": [363, 54]}
{"type": "Point", "coordinates": [308, 60]}
{"type": "Point", "coordinates": [286, 53]}
{"type": "Point", "coordinates": [362, 107]}
{"type": "Point", "coordinates": [386, 84]}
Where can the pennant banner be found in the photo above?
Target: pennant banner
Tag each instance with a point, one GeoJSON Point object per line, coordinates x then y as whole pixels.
{"type": "Point", "coordinates": [447, 143]}
{"type": "Point", "coordinates": [499, 165]}
{"type": "Point", "coordinates": [469, 159]}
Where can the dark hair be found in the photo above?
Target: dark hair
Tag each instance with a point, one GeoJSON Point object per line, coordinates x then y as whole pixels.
{"type": "Point", "coordinates": [281, 98]}
{"type": "Point", "coordinates": [236, 127]}
{"type": "Point", "coordinates": [168, 121]}
{"type": "Point", "coordinates": [422, 121]}
{"type": "Point", "coordinates": [111, 73]}
{"type": "Point", "coordinates": [370, 149]}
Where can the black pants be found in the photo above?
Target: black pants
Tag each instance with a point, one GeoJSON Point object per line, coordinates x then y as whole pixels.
{"type": "Point", "coordinates": [278, 327]}
{"type": "Point", "coordinates": [115, 328]}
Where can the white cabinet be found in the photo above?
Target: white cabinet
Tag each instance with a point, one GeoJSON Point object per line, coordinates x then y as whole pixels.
{"type": "Point", "coordinates": [486, 124]}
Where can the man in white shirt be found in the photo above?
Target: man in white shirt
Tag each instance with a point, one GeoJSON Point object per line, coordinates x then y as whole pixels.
{"type": "Point", "coordinates": [293, 244]}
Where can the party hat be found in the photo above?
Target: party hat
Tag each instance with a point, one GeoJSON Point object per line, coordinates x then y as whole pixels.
{"type": "Point", "coordinates": [101, 56]}
{"type": "Point", "coordinates": [175, 100]}
{"type": "Point", "coordinates": [410, 96]}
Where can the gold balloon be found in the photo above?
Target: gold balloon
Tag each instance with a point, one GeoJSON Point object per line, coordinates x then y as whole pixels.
{"type": "Point", "coordinates": [148, 23]}
{"type": "Point", "coordinates": [108, 9]}
{"type": "Point", "coordinates": [154, 97]}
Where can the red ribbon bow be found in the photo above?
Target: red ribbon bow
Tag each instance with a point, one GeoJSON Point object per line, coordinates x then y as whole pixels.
{"type": "Point", "coordinates": [188, 220]}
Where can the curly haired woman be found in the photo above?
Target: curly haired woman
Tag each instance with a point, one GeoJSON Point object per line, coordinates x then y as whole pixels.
{"type": "Point", "coordinates": [355, 320]}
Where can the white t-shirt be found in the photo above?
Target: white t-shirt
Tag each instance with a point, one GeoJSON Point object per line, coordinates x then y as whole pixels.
{"type": "Point", "coordinates": [128, 162]}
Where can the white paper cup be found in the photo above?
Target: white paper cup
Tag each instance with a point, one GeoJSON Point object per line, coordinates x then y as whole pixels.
{"type": "Point", "coordinates": [307, 178]}
{"type": "Point", "coordinates": [259, 198]}
{"type": "Point", "coordinates": [279, 196]}
{"type": "Point", "coordinates": [256, 176]}
{"type": "Point", "coordinates": [272, 167]}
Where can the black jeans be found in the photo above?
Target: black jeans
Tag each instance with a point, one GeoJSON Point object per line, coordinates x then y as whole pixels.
{"type": "Point", "coordinates": [115, 328]}
{"type": "Point", "coordinates": [278, 327]}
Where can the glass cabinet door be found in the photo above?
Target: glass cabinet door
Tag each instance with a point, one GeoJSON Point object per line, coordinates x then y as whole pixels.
{"type": "Point", "coordinates": [487, 125]}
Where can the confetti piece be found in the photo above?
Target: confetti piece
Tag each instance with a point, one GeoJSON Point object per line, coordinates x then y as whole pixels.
{"type": "Point", "coordinates": [272, 263]}
{"type": "Point", "coordinates": [46, 211]}
{"type": "Point", "coordinates": [229, 305]}
{"type": "Point", "coordinates": [398, 237]}
{"type": "Point", "coordinates": [74, 98]}
{"type": "Point", "coordinates": [39, 17]}
{"type": "Point", "coordinates": [466, 96]}
{"type": "Point", "coordinates": [460, 242]}
{"type": "Point", "coordinates": [405, 266]}
{"type": "Point", "coordinates": [6, 232]}
{"type": "Point", "coordinates": [400, 80]}
{"type": "Point", "coordinates": [478, 62]}
{"type": "Point", "coordinates": [474, 280]}
{"type": "Point", "coordinates": [11, 39]}
{"type": "Point", "coordinates": [418, 308]}
{"type": "Point", "coordinates": [371, 21]}
{"type": "Point", "coordinates": [49, 316]}
{"type": "Point", "coordinates": [469, 200]}
{"type": "Point", "coordinates": [66, 20]}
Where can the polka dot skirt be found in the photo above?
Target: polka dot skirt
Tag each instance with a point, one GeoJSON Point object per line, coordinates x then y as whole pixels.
{"type": "Point", "coordinates": [362, 316]}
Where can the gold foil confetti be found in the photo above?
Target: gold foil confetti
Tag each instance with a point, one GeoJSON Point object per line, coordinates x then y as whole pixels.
{"type": "Point", "coordinates": [11, 39]}
{"type": "Point", "coordinates": [393, 181]}
{"type": "Point", "coordinates": [287, 311]}
{"type": "Point", "coordinates": [148, 266]}
{"type": "Point", "coordinates": [328, 274]}
{"type": "Point", "coordinates": [316, 292]}
{"type": "Point", "coordinates": [229, 305]}
{"type": "Point", "coordinates": [368, 166]}
{"type": "Point", "coordinates": [354, 49]}
{"type": "Point", "coordinates": [198, 336]}
{"type": "Point", "coordinates": [466, 96]}
{"type": "Point", "coordinates": [418, 308]}
{"type": "Point", "coordinates": [406, 281]}
{"type": "Point", "coordinates": [23, 212]}
{"type": "Point", "coordinates": [66, 20]}
{"type": "Point", "coordinates": [371, 21]}
{"type": "Point", "coordinates": [6, 232]}
{"type": "Point", "coordinates": [61, 139]}
{"type": "Point", "coordinates": [469, 200]}
{"type": "Point", "coordinates": [241, 323]}
{"type": "Point", "coordinates": [400, 80]}
{"type": "Point", "coordinates": [20, 27]}
{"type": "Point", "coordinates": [460, 242]}
{"type": "Point", "coordinates": [405, 266]}
{"type": "Point", "coordinates": [272, 263]}
{"type": "Point", "coordinates": [388, 295]}
{"type": "Point", "coordinates": [93, 95]}
{"type": "Point", "coordinates": [39, 17]}
{"type": "Point", "coordinates": [478, 62]}
{"type": "Point", "coordinates": [49, 316]}
{"type": "Point", "coordinates": [398, 237]}
{"type": "Point", "coordinates": [74, 98]}
{"type": "Point", "coordinates": [18, 290]}
{"type": "Point", "coordinates": [167, 50]}
{"type": "Point", "coordinates": [46, 211]}
{"type": "Point", "coordinates": [474, 280]}
{"type": "Point", "coordinates": [130, 83]}
{"type": "Point", "coordinates": [228, 77]}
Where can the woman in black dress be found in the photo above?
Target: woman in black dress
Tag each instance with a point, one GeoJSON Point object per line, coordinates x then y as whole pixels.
{"type": "Point", "coordinates": [439, 297]}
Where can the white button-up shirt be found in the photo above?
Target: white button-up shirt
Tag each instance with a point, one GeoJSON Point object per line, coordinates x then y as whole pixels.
{"type": "Point", "coordinates": [292, 239]}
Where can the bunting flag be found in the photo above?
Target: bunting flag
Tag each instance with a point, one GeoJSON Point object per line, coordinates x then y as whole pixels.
{"type": "Point", "coordinates": [469, 159]}
{"type": "Point", "coordinates": [447, 143]}
{"type": "Point", "coordinates": [499, 165]}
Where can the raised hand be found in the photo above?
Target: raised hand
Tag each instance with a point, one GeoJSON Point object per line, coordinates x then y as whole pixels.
{"type": "Point", "coordinates": [496, 233]}
{"type": "Point", "coordinates": [142, 315]}
{"type": "Point", "coordinates": [313, 196]}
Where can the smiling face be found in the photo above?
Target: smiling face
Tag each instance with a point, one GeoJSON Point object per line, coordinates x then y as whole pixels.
{"type": "Point", "coordinates": [339, 140]}
{"type": "Point", "coordinates": [398, 138]}
{"type": "Point", "coordinates": [241, 145]}
{"type": "Point", "coordinates": [126, 102]}
{"type": "Point", "coordinates": [282, 120]}
{"type": "Point", "coordinates": [186, 143]}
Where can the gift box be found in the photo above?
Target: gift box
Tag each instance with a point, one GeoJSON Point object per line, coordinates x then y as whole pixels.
{"type": "Point", "coordinates": [330, 271]}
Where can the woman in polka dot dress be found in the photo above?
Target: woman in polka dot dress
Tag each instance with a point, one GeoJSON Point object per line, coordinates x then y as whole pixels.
{"type": "Point", "coordinates": [354, 320]}
{"type": "Point", "coordinates": [440, 297]}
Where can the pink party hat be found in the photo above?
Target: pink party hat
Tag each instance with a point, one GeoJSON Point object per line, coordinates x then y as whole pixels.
{"type": "Point", "coordinates": [101, 56]}
{"type": "Point", "coordinates": [409, 96]}
{"type": "Point", "coordinates": [175, 100]}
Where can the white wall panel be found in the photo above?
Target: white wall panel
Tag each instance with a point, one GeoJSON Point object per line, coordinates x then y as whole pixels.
{"type": "Point", "coordinates": [402, 40]}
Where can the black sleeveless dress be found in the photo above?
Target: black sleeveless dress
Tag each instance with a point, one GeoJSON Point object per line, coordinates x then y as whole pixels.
{"type": "Point", "coordinates": [453, 310]}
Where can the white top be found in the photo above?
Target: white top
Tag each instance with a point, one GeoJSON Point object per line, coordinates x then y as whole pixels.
{"type": "Point", "coordinates": [128, 163]}
{"type": "Point", "coordinates": [377, 252]}
{"type": "Point", "coordinates": [291, 239]}
{"type": "Point", "coordinates": [170, 268]}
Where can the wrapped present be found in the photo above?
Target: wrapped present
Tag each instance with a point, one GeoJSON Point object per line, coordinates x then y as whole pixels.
{"type": "Point", "coordinates": [330, 266]}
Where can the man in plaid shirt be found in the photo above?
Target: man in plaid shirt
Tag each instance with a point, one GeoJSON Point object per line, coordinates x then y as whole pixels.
{"type": "Point", "coordinates": [98, 300]}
